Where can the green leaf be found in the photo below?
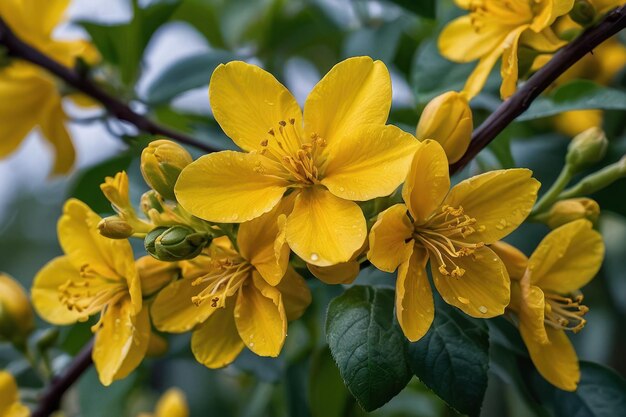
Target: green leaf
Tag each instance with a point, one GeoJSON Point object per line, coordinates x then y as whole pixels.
{"type": "Point", "coordinates": [452, 359]}
{"type": "Point", "coordinates": [425, 8]}
{"type": "Point", "coordinates": [185, 74]}
{"type": "Point", "coordinates": [328, 396]}
{"type": "Point", "coordinates": [368, 345]}
{"type": "Point", "coordinates": [576, 95]}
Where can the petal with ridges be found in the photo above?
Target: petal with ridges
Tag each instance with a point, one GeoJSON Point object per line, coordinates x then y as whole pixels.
{"type": "Point", "coordinates": [391, 239]}
{"type": "Point", "coordinates": [295, 293]}
{"type": "Point", "coordinates": [216, 342]}
{"type": "Point", "coordinates": [459, 41]}
{"type": "Point", "coordinates": [174, 312]}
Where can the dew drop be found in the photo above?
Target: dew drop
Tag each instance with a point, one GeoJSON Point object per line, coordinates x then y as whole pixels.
{"type": "Point", "coordinates": [235, 216]}
{"type": "Point", "coordinates": [342, 189]}
{"type": "Point", "coordinates": [482, 309]}
{"type": "Point", "coordinates": [315, 257]}
{"type": "Point", "coordinates": [463, 300]}
{"type": "Point", "coordinates": [251, 344]}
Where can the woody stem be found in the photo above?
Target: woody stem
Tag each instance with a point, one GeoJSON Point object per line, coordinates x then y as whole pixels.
{"type": "Point", "coordinates": [517, 104]}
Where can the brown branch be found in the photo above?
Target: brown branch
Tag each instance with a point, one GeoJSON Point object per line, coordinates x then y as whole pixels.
{"type": "Point", "coordinates": [517, 104]}
{"type": "Point", "coordinates": [51, 398]}
{"type": "Point", "coordinates": [19, 49]}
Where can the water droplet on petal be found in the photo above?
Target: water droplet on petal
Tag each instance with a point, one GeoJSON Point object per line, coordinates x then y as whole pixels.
{"type": "Point", "coordinates": [235, 216]}
{"type": "Point", "coordinates": [342, 189]}
{"type": "Point", "coordinates": [315, 257]}
{"type": "Point", "coordinates": [251, 344]}
{"type": "Point", "coordinates": [482, 309]}
{"type": "Point", "coordinates": [463, 300]}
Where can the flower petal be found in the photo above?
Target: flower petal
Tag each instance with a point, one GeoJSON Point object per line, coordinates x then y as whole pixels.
{"type": "Point", "coordinates": [172, 404]}
{"type": "Point", "coordinates": [548, 11]}
{"type": "Point", "coordinates": [324, 229]}
{"type": "Point", "coordinates": [54, 130]}
{"type": "Point", "coordinates": [460, 42]}
{"type": "Point", "coordinates": [529, 304]}
{"type": "Point", "coordinates": [9, 391]}
{"type": "Point", "coordinates": [174, 312]}
{"type": "Point", "coordinates": [514, 260]}
{"type": "Point", "coordinates": [341, 273]}
{"type": "Point", "coordinates": [44, 16]}
{"type": "Point", "coordinates": [295, 293]}
{"type": "Point", "coordinates": [499, 200]}
{"type": "Point", "coordinates": [414, 298]}
{"type": "Point", "coordinates": [567, 258]}
{"type": "Point", "coordinates": [45, 292]}
{"type": "Point", "coordinates": [484, 289]}
{"type": "Point", "coordinates": [230, 187]}
{"type": "Point", "coordinates": [368, 162]}
{"type": "Point", "coordinates": [260, 317]}
{"type": "Point", "coordinates": [216, 342]}
{"type": "Point", "coordinates": [390, 239]}
{"type": "Point", "coordinates": [556, 361]}
{"type": "Point", "coordinates": [509, 69]}
{"type": "Point", "coordinates": [477, 79]}
{"type": "Point", "coordinates": [355, 92]}
{"type": "Point", "coordinates": [248, 101]}
{"type": "Point", "coordinates": [122, 341]}
{"type": "Point", "coordinates": [428, 181]}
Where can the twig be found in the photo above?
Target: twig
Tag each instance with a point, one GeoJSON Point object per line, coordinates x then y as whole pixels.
{"type": "Point", "coordinates": [612, 23]}
{"type": "Point", "coordinates": [19, 49]}
{"type": "Point", "coordinates": [50, 400]}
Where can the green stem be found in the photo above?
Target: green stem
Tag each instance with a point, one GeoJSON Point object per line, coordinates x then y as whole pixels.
{"type": "Point", "coordinates": [597, 181]}
{"type": "Point", "coordinates": [260, 400]}
{"type": "Point", "coordinates": [553, 193]}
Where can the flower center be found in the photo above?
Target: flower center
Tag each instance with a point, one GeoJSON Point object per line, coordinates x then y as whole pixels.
{"type": "Point", "coordinates": [92, 293]}
{"type": "Point", "coordinates": [284, 144]}
{"type": "Point", "coordinates": [565, 313]}
{"type": "Point", "coordinates": [226, 276]}
{"type": "Point", "coordinates": [443, 235]}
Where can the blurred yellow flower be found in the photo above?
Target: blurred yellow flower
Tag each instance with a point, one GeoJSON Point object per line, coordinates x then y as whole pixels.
{"type": "Point", "coordinates": [233, 299]}
{"type": "Point", "coordinates": [17, 320]}
{"type": "Point", "coordinates": [29, 96]}
{"type": "Point", "coordinates": [339, 152]}
{"type": "Point", "coordinates": [10, 405]}
{"type": "Point", "coordinates": [545, 296]}
{"type": "Point", "coordinates": [171, 404]}
{"type": "Point", "coordinates": [496, 28]}
{"type": "Point", "coordinates": [451, 228]}
{"type": "Point", "coordinates": [96, 276]}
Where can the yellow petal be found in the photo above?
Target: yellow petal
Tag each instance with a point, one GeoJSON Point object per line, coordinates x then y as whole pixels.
{"type": "Point", "coordinates": [477, 79]}
{"type": "Point", "coordinates": [45, 16]}
{"type": "Point", "coordinates": [549, 11]}
{"type": "Point", "coordinates": [260, 317]}
{"type": "Point", "coordinates": [499, 200]}
{"type": "Point", "coordinates": [9, 394]}
{"type": "Point", "coordinates": [509, 70]}
{"type": "Point", "coordinates": [556, 361]}
{"type": "Point", "coordinates": [262, 241]}
{"type": "Point", "coordinates": [174, 312]}
{"type": "Point", "coordinates": [172, 404]}
{"type": "Point", "coordinates": [530, 307]}
{"type": "Point", "coordinates": [247, 102]}
{"type": "Point", "coordinates": [342, 273]}
{"type": "Point", "coordinates": [390, 239]}
{"type": "Point", "coordinates": [368, 162]}
{"type": "Point", "coordinates": [428, 181]}
{"type": "Point", "coordinates": [45, 291]}
{"type": "Point", "coordinates": [567, 258]}
{"type": "Point", "coordinates": [484, 289]}
{"type": "Point", "coordinates": [295, 293]}
{"type": "Point", "coordinates": [545, 41]}
{"type": "Point", "coordinates": [54, 130]}
{"type": "Point", "coordinates": [460, 42]}
{"type": "Point", "coordinates": [216, 342]}
{"type": "Point", "coordinates": [514, 260]}
{"type": "Point", "coordinates": [324, 229]}
{"type": "Point", "coordinates": [414, 298]}
{"type": "Point", "coordinates": [122, 341]}
{"type": "Point", "coordinates": [230, 187]}
{"type": "Point", "coordinates": [355, 92]}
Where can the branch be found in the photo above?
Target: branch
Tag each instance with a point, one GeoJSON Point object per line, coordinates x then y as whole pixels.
{"type": "Point", "coordinates": [51, 398]}
{"type": "Point", "coordinates": [19, 49]}
{"type": "Point", "coordinates": [517, 104]}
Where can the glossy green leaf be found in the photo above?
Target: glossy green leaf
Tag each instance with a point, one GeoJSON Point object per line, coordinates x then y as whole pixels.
{"type": "Point", "coordinates": [576, 95]}
{"type": "Point", "coordinates": [368, 345]}
{"type": "Point", "coordinates": [452, 359]}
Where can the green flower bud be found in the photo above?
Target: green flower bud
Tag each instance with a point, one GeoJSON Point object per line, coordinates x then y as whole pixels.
{"type": "Point", "coordinates": [161, 164]}
{"type": "Point", "coordinates": [586, 149]}
{"type": "Point", "coordinates": [151, 200]}
{"type": "Point", "coordinates": [566, 211]}
{"type": "Point", "coordinates": [175, 243]}
{"type": "Point", "coordinates": [115, 228]}
{"type": "Point", "coordinates": [583, 12]}
{"type": "Point", "coordinates": [16, 314]}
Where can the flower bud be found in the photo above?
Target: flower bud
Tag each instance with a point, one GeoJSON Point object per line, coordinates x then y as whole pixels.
{"type": "Point", "coordinates": [586, 149]}
{"type": "Point", "coordinates": [448, 120]}
{"type": "Point", "coordinates": [161, 164]}
{"type": "Point", "coordinates": [583, 12]}
{"type": "Point", "coordinates": [115, 228]}
{"type": "Point", "coordinates": [566, 211]}
{"type": "Point", "coordinates": [151, 200]}
{"type": "Point", "coordinates": [175, 243]}
{"type": "Point", "coordinates": [155, 274]}
{"type": "Point", "coordinates": [16, 313]}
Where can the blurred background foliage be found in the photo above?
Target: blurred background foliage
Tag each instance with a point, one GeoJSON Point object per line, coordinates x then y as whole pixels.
{"type": "Point", "coordinates": [159, 56]}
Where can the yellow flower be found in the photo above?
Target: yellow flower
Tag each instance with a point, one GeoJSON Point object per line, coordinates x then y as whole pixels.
{"type": "Point", "coordinates": [545, 296]}
{"type": "Point", "coordinates": [496, 28]}
{"type": "Point", "coordinates": [235, 298]}
{"type": "Point", "coordinates": [10, 405]}
{"type": "Point", "coordinates": [96, 276]}
{"type": "Point", "coordinates": [171, 404]}
{"type": "Point", "coordinates": [16, 315]}
{"type": "Point", "coordinates": [116, 190]}
{"type": "Point", "coordinates": [451, 228]}
{"type": "Point", "coordinates": [566, 211]}
{"type": "Point", "coordinates": [339, 152]}
{"type": "Point", "coordinates": [161, 163]}
{"type": "Point", "coordinates": [29, 97]}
